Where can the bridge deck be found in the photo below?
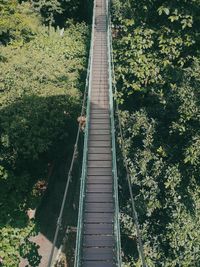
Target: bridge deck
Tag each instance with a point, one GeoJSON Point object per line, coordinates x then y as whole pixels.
{"type": "Point", "coordinates": [98, 249]}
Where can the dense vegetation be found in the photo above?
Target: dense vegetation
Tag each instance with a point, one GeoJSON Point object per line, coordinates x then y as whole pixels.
{"type": "Point", "coordinates": [156, 48]}
{"type": "Point", "coordinates": [41, 80]}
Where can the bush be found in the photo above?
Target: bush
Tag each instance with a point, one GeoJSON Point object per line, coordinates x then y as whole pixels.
{"type": "Point", "coordinates": [41, 93]}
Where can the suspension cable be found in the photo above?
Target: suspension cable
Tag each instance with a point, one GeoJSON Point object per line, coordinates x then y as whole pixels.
{"type": "Point", "coordinates": [69, 176]}
{"type": "Point", "coordinates": [128, 174]}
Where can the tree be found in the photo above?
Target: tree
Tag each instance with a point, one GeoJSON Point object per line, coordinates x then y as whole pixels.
{"type": "Point", "coordinates": [48, 9]}
{"type": "Point", "coordinates": [157, 67]}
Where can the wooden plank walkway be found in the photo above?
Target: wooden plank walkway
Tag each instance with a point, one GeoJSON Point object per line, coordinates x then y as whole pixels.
{"type": "Point", "coordinates": [99, 242]}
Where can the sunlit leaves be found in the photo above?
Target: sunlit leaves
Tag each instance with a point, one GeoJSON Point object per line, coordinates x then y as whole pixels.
{"type": "Point", "coordinates": [18, 24]}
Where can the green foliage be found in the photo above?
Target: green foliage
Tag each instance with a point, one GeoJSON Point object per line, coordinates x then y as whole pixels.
{"type": "Point", "coordinates": [156, 50]}
{"type": "Point", "coordinates": [48, 9]}
{"type": "Point", "coordinates": [11, 239]}
{"type": "Point", "coordinates": [41, 81]}
{"type": "Point", "coordinates": [41, 86]}
{"type": "Point", "coordinates": [57, 12]}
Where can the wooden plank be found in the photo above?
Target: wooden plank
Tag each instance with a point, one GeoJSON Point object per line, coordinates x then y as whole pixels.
{"type": "Point", "coordinates": [98, 44]}
{"type": "Point", "coordinates": [99, 143]}
{"type": "Point", "coordinates": [99, 171]}
{"type": "Point", "coordinates": [100, 76]}
{"type": "Point", "coordinates": [99, 132]}
{"type": "Point", "coordinates": [99, 181]}
{"type": "Point", "coordinates": [98, 264]}
{"type": "Point", "coordinates": [100, 85]}
{"type": "Point", "coordinates": [98, 207]}
{"type": "Point", "coordinates": [93, 188]}
{"type": "Point", "coordinates": [106, 240]}
{"type": "Point", "coordinates": [99, 126]}
{"type": "Point", "coordinates": [98, 92]}
{"type": "Point", "coordinates": [98, 228]}
{"type": "Point", "coordinates": [104, 56]}
{"type": "Point", "coordinates": [101, 80]}
{"type": "Point", "coordinates": [99, 99]}
{"type": "Point", "coordinates": [95, 108]}
{"type": "Point", "coordinates": [98, 70]}
{"type": "Point", "coordinates": [99, 156]}
{"type": "Point", "coordinates": [102, 88]}
{"type": "Point", "coordinates": [99, 95]}
{"type": "Point", "coordinates": [101, 44]}
{"type": "Point", "coordinates": [96, 64]}
{"type": "Point", "coordinates": [100, 102]}
{"type": "Point", "coordinates": [101, 73]}
{"type": "Point", "coordinates": [98, 120]}
{"type": "Point", "coordinates": [100, 150]}
{"type": "Point", "coordinates": [101, 38]}
{"type": "Point", "coordinates": [99, 197]}
{"type": "Point", "coordinates": [100, 137]}
{"type": "Point", "coordinates": [109, 176]}
{"type": "Point", "coordinates": [99, 116]}
{"type": "Point", "coordinates": [102, 67]}
{"type": "Point", "coordinates": [101, 60]}
{"type": "Point", "coordinates": [98, 254]}
{"type": "Point", "coordinates": [99, 113]}
{"type": "Point", "coordinates": [100, 163]}
{"type": "Point", "coordinates": [101, 49]}
{"type": "Point", "coordinates": [101, 217]}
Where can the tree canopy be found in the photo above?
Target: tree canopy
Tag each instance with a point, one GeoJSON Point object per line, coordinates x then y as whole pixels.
{"type": "Point", "coordinates": [156, 50]}
{"type": "Point", "coordinates": [41, 81]}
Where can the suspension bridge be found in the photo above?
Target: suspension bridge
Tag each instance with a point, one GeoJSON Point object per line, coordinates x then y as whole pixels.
{"type": "Point", "coordinates": [98, 240]}
{"type": "Point", "coordinates": [98, 230]}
